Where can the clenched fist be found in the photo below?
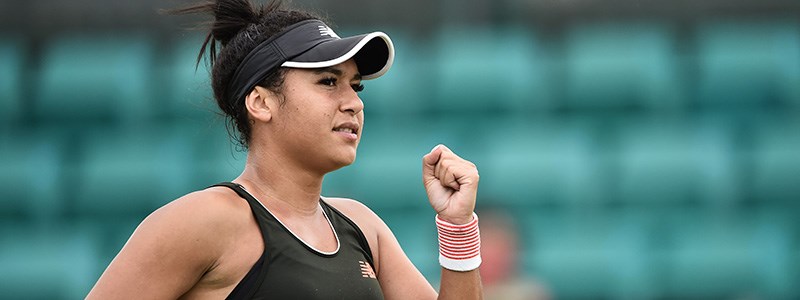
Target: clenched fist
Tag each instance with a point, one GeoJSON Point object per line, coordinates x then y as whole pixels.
{"type": "Point", "coordinates": [451, 183]}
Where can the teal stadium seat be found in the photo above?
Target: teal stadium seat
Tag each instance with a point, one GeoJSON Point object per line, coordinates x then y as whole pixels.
{"type": "Point", "coordinates": [31, 168]}
{"type": "Point", "coordinates": [56, 263]}
{"type": "Point", "coordinates": [388, 168]}
{"type": "Point", "coordinates": [403, 90]}
{"type": "Point", "coordinates": [131, 172]}
{"type": "Point", "coordinates": [185, 86]}
{"type": "Point", "coordinates": [676, 161]}
{"type": "Point", "coordinates": [776, 161]}
{"type": "Point", "coordinates": [481, 69]}
{"type": "Point", "coordinates": [621, 66]}
{"type": "Point", "coordinates": [595, 254]}
{"type": "Point", "coordinates": [541, 162]}
{"type": "Point", "coordinates": [218, 158]}
{"type": "Point", "coordinates": [717, 255]}
{"type": "Point", "coordinates": [416, 231]}
{"type": "Point", "coordinates": [95, 77]}
{"type": "Point", "coordinates": [387, 172]}
{"type": "Point", "coordinates": [109, 235]}
{"type": "Point", "coordinates": [12, 61]}
{"type": "Point", "coordinates": [749, 64]}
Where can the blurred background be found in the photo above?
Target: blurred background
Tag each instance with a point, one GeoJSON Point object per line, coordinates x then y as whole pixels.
{"type": "Point", "coordinates": [628, 149]}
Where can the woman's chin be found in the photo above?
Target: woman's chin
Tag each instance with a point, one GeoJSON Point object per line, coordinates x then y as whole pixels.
{"type": "Point", "coordinates": [341, 161]}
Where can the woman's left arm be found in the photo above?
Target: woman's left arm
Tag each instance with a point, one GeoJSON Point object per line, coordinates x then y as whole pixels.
{"type": "Point", "coordinates": [453, 198]}
{"type": "Point", "coordinates": [451, 183]}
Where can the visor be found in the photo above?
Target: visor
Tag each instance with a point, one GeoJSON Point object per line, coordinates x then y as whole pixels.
{"type": "Point", "coordinates": [312, 44]}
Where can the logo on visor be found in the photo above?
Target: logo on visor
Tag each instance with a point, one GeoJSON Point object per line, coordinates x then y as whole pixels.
{"type": "Point", "coordinates": [325, 30]}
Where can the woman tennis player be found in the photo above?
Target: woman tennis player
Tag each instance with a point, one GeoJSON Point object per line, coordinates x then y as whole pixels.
{"type": "Point", "coordinates": [290, 87]}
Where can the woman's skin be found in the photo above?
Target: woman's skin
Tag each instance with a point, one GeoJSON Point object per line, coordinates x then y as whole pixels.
{"type": "Point", "coordinates": [201, 245]}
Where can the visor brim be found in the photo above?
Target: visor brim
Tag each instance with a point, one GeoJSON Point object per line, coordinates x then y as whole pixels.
{"type": "Point", "coordinates": [373, 54]}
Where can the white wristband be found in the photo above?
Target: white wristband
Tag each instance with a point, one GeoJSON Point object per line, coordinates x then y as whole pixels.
{"type": "Point", "coordinates": [459, 245]}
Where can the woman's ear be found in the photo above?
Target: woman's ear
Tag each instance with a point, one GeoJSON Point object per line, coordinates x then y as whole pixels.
{"type": "Point", "coordinates": [259, 104]}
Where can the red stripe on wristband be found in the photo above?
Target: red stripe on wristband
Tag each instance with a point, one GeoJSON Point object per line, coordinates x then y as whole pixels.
{"type": "Point", "coordinates": [456, 247]}
{"type": "Point", "coordinates": [459, 245]}
{"type": "Point", "coordinates": [459, 237]}
{"type": "Point", "coordinates": [467, 255]}
{"type": "Point", "coordinates": [464, 252]}
{"type": "Point", "coordinates": [453, 227]}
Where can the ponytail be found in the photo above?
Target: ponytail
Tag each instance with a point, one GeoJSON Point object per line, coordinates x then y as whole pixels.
{"type": "Point", "coordinates": [238, 27]}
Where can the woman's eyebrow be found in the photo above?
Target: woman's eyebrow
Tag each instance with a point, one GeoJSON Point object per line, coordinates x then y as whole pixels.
{"type": "Point", "coordinates": [336, 71]}
{"type": "Point", "coordinates": [333, 70]}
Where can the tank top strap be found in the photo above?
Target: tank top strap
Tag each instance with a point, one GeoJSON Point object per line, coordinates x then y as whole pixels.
{"type": "Point", "coordinates": [341, 221]}
{"type": "Point", "coordinates": [255, 206]}
{"type": "Point", "coordinates": [255, 276]}
{"type": "Point", "coordinates": [275, 274]}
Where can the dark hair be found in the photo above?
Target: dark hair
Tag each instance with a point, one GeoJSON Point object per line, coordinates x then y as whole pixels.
{"type": "Point", "coordinates": [238, 27]}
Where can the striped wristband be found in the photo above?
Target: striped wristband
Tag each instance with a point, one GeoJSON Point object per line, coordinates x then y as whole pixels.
{"type": "Point", "coordinates": [459, 245]}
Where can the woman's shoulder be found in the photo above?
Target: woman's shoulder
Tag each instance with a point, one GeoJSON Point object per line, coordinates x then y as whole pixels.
{"type": "Point", "coordinates": [370, 223]}
{"type": "Point", "coordinates": [202, 216]}
{"type": "Point", "coordinates": [212, 207]}
{"type": "Point", "coordinates": [353, 209]}
{"type": "Point", "coordinates": [346, 204]}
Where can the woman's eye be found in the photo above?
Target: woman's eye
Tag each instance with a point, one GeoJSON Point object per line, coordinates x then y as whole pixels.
{"type": "Point", "coordinates": [358, 87]}
{"type": "Point", "coordinates": [328, 81]}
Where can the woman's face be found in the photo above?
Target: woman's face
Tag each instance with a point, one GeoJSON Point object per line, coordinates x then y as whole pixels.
{"type": "Point", "coordinates": [321, 118]}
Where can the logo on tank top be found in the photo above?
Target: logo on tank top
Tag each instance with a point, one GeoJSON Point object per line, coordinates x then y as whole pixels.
{"type": "Point", "coordinates": [366, 270]}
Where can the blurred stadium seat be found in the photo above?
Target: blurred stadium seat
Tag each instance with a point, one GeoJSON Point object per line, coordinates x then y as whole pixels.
{"type": "Point", "coordinates": [622, 66]}
{"type": "Point", "coordinates": [388, 170]}
{"type": "Point", "coordinates": [404, 89]}
{"type": "Point", "coordinates": [481, 70]}
{"type": "Point", "coordinates": [541, 162]}
{"type": "Point", "coordinates": [31, 170]}
{"type": "Point", "coordinates": [673, 161]}
{"type": "Point", "coordinates": [776, 161]}
{"type": "Point", "coordinates": [749, 65]}
{"type": "Point", "coordinates": [582, 255]}
{"type": "Point", "coordinates": [185, 86]}
{"type": "Point", "coordinates": [416, 232]}
{"type": "Point", "coordinates": [132, 172]}
{"type": "Point", "coordinates": [57, 263]}
{"type": "Point", "coordinates": [718, 255]}
{"type": "Point", "coordinates": [218, 158]}
{"type": "Point", "coordinates": [95, 77]}
{"type": "Point", "coordinates": [12, 61]}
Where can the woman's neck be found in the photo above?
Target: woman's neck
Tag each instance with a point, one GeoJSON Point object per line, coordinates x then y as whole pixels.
{"type": "Point", "coordinates": [281, 184]}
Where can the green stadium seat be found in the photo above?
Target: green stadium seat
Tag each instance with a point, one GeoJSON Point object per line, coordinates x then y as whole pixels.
{"type": "Point", "coordinates": [186, 86]}
{"type": "Point", "coordinates": [110, 233]}
{"type": "Point", "coordinates": [773, 230]}
{"type": "Point", "coordinates": [12, 62]}
{"type": "Point", "coordinates": [403, 90]}
{"type": "Point", "coordinates": [94, 77]}
{"type": "Point", "coordinates": [31, 170]}
{"type": "Point", "coordinates": [676, 161]}
{"type": "Point", "coordinates": [541, 162]}
{"type": "Point", "coordinates": [218, 157]}
{"type": "Point", "coordinates": [776, 161]}
{"type": "Point", "coordinates": [56, 263]}
{"type": "Point", "coordinates": [132, 172]}
{"type": "Point", "coordinates": [388, 168]}
{"type": "Point", "coordinates": [416, 231]}
{"type": "Point", "coordinates": [582, 254]}
{"type": "Point", "coordinates": [480, 70]}
{"type": "Point", "coordinates": [749, 64]}
{"type": "Point", "coordinates": [621, 66]}
{"type": "Point", "coordinates": [715, 256]}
